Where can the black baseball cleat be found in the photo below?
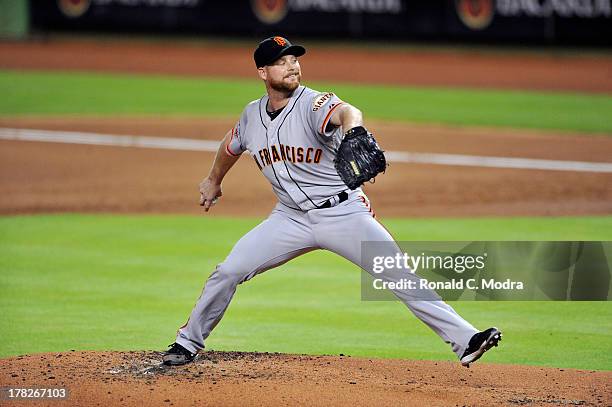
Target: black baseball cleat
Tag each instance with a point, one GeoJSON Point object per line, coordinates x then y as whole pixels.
{"type": "Point", "coordinates": [177, 355]}
{"type": "Point", "coordinates": [479, 344]}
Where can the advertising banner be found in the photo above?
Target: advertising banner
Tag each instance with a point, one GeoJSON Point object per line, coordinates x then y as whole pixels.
{"type": "Point", "coordinates": [547, 21]}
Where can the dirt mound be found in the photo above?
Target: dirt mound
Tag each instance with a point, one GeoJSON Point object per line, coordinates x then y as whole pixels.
{"type": "Point", "coordinates": [239, 378]}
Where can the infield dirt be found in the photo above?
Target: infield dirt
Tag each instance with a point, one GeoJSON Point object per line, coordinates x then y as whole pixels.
{"type": "Point", "coordinates": [39, 177]}
{"type": "Point", "coordinates": [45, 177]}
{"type": "Point", "coordinates": [239, 379]}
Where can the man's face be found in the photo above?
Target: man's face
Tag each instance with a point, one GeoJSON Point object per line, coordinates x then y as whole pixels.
{"type": "Point", "coordinates": [284, 74]}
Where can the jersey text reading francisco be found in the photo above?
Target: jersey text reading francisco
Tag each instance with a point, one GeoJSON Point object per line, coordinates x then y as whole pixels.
{"type": "Point", "coordinates": [287, 153]}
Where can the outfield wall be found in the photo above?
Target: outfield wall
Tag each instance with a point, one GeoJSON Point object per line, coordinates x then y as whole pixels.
{"type": "Point", "coordinates": [14, 18]}
{"type": "Point", "coordinates": [513, 21]}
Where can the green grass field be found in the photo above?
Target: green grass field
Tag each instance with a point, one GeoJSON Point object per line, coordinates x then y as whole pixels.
{"type": "Point", "coordinates": [83, 93]}
{"type": "Point", "coordinates": [127, 282]}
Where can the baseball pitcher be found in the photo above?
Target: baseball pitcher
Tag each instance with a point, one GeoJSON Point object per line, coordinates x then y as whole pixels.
{"type": "Point", "coordinates": [315, 151]}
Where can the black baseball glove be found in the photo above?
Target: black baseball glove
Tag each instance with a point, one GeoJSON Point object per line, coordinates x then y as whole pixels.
{"type": "Point", "coordinates": [359, 159]}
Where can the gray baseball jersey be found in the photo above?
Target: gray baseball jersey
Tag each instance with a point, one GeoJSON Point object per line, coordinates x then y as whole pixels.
{"type": "Point", "coordinates": [295, 152]}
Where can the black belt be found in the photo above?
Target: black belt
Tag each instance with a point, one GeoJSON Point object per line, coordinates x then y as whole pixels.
{"type": "Point", "coordinates": [342, 196]}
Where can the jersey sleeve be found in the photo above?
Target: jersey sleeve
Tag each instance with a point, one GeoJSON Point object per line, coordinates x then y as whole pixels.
{"type": "Point", "coordinates": [236, 145]}
{"type": "Point", "coordinates": [321, 110]}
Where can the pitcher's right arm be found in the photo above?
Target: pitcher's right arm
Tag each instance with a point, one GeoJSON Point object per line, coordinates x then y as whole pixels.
{"type": "Point", "coordinates": [210, 187]}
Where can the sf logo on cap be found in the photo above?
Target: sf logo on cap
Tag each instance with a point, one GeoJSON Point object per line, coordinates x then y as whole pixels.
{"type": "Point", "coordinates": [280, 41]}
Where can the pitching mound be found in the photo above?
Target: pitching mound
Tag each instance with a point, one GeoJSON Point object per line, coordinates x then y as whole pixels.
{"type": "Point", "coordinates": [238, 378]}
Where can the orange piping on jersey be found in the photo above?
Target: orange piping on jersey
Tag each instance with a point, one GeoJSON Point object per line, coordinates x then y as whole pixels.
{"type": "Point", "coordinates": [230, 151]}
{"type": "Point", "coordinates": [234, 131]}
{"type": "Point", "coordinates": [329, 117]}
{"type": "Point", "coordinates": [366, 203]}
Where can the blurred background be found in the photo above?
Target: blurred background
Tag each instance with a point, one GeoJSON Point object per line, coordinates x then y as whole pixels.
{"type": "Point", "coordinates": [484, 21]}
{"type": "Point", "coordinates": [495, 114]}
{"type": "Point", "coordinates": [445, 77]}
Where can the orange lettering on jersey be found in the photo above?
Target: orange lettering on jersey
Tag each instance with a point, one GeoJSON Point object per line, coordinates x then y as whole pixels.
{"type": "Point", "coordinates": [321, 100]}
{"type": "Point", "coordinates": [267, 157]}
{"type": "Point", "coordinates": [281, 152]}
{"type": "Point", "coordinates": [257, 162]}
{"type": "Point", "coordinates": [275, 156]}
{"type": "Point", "coordinates": [308, 153]}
